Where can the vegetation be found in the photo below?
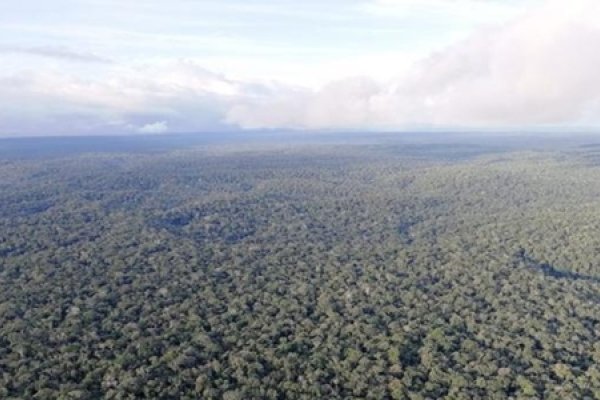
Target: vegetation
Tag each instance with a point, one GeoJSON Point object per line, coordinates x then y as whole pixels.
{"type": "Point", "coordinates": [301, 273]}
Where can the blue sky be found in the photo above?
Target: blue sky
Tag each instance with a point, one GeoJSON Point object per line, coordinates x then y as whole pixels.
{"type": "Point", "coordinates": [93, 67]}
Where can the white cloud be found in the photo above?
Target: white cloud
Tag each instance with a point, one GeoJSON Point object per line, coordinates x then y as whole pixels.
{"type": "Point", "coordinates": [540, 69]}
{"type": "Point", "coordinates": [155, 127]}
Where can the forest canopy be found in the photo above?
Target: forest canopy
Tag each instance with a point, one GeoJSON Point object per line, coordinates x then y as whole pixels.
{"type": "Point", "coordinates": [301, 272]}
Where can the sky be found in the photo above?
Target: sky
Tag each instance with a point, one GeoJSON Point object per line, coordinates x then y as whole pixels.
{"type": "Point", "coordinates": [95, 67]}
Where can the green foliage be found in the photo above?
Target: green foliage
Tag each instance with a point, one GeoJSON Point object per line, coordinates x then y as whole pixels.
{"type": "Point", "coordinates": [300, 274]}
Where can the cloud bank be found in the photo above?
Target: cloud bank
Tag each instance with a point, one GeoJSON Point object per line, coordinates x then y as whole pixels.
{"type": "Point", "coordinates": [540, 69]}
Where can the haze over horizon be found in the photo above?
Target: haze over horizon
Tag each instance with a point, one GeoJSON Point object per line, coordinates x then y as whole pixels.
{"type": "Point", "coordinates": [94, 67]}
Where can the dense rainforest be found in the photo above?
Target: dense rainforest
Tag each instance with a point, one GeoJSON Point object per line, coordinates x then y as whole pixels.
{"type": "Point", "coordinates": [301, 272]}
